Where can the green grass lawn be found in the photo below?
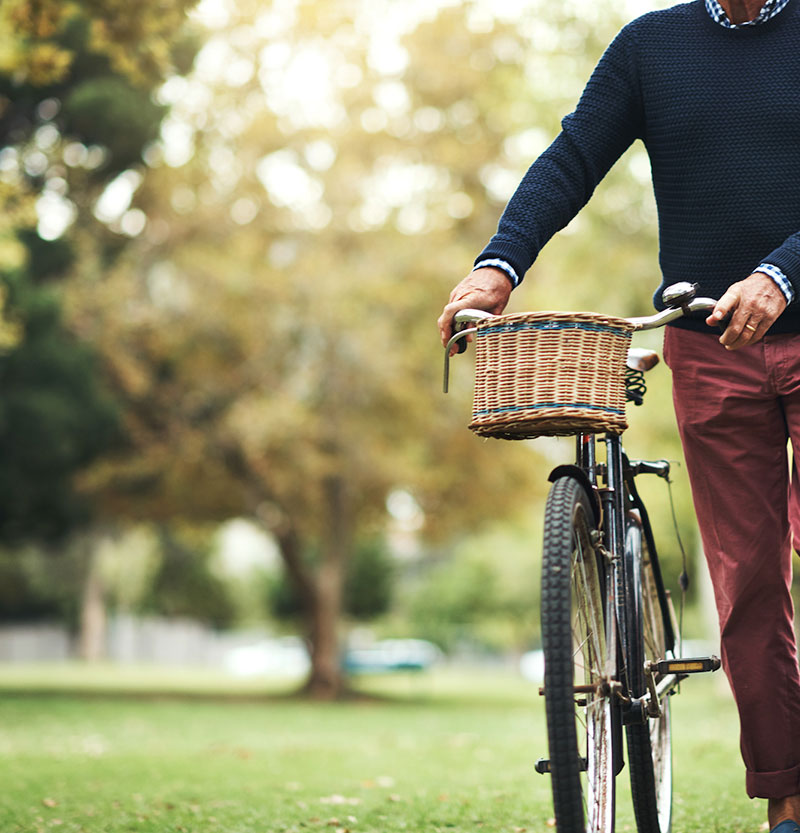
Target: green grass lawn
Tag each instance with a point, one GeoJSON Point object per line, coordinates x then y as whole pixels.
{"type": "Point", "coordinates": [436, 752]}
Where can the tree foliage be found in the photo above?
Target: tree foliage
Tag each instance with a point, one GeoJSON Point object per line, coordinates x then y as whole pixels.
{"type": "Point", "coordinates": [368, 586]}
{"type": "Point", "coordinates": [185, 586]}
{"type": "Point", "coordinates": [75, 110]}
{"type": "Point", "coordinates": [54, 420]}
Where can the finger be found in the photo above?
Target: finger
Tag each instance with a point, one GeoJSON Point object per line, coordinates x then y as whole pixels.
{"type": "Point", "coordinates": [726, 304]}
{"type": "Point", "coordinates": [752, 332]}
{"type": "Point", "coordinates": [445, 323]}
{"type": "Point", "coordinates": [755, 335]}
{"type": "Point", "coordinates": [733, 337]}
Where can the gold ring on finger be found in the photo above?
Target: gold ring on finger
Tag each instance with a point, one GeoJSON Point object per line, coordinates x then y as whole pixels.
{"type": "Point", "coordinates": [750, 327]}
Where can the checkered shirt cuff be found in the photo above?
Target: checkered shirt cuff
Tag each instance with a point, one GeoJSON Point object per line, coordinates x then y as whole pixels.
{"type": "Point", "coordinates": [500, 264]}
{"type": "Point", "coordinates": [784, 284]}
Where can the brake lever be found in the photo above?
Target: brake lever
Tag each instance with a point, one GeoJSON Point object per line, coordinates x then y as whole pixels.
{"type": "Point", "coordinates": [462, 319]}
{"type": "Point", "coordinates": [460, 342]}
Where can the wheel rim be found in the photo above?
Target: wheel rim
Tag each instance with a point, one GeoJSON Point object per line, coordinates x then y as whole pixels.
{"type": "Point", "coordinates": [660, 743]}
{"type": "Point", "coordinates": [660, 734]}
{"type": "Point", "coordinates": [592, 711]}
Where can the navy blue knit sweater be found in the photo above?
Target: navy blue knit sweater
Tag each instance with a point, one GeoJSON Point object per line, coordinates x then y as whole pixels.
{"type": "Point", "coordinates": [719, 113]}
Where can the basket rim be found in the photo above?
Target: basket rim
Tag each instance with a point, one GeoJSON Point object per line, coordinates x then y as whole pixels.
{"type": "Point", "coordinates": [541, 409]}
{"type": "Point", "coordinates": [555, 321]}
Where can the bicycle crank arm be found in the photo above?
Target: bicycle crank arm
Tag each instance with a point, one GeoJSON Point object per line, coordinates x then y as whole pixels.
{"type": "Point", "coordinates": [641, 709]}
{"type": "Point", "coordinates": [674, 671]}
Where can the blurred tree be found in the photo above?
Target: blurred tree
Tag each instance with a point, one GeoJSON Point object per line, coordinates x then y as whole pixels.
{"type": "Point", "coordinates": [21, 600]}
{"type": "Point", "coordinates": [54, 419]}
{"type": "Point", "coordinates": [483, 592]}
{"type": "Point", "coordinates": [324, 181]}
{"type": "Point", "coordinates": [185, 586]}
{"type": "Point", "coordinates": [368, 585]}
{"type": "Point", "coordinates": [76, 109]}
{"type": "Point", "coordinates": [368, 581]}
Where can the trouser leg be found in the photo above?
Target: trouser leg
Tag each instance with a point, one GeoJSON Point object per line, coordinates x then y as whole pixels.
{"type": "Point", "coordinates": [734, 430]}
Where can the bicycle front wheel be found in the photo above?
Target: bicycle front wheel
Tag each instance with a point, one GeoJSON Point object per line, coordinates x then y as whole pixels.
{"type": "Point", "coordinates": [577, 698]}
{"type": "Point", "coordinates": [649, 744]}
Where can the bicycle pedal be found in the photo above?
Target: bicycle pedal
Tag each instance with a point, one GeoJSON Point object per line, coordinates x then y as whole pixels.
{"type": "Point", "coordinates": [542, 766]}
{"type": "Point", "coordinates": [685, 665]}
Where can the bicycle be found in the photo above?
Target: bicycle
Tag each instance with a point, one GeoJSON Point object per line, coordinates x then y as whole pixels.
{"type": "Point", "coordinates": [610, 638]}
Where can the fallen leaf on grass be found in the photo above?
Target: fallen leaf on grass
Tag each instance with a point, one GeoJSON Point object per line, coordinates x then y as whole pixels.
{"type": "Point", "coordinates": [49, 802]}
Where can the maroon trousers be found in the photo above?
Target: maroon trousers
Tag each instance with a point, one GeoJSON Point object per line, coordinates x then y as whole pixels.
{"type": "Point", "coordinates": [736, 410]}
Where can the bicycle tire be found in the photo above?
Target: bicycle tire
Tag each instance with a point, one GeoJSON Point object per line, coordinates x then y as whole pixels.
{"type": "Point", "coordinates": [649, 744]}
{"type": "Point", "coordinates": [574, 643]}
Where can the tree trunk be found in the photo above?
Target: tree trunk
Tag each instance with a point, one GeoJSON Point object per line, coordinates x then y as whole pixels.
{"type": "Point", "coordinates": [92, 635]}
{"type": "Point", "coordinates": [326, 679]}
{"type": "Point", "coordinates": [320, 593]}
{"type": "Point", "coordinates": [321, 598]}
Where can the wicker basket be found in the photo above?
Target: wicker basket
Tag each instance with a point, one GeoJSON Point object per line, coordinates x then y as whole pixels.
{"type": "Point", "coordinates": [550, 374]}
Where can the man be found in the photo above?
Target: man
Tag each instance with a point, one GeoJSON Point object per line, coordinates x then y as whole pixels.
{"type": "Point", "coordinates": [711, 88]}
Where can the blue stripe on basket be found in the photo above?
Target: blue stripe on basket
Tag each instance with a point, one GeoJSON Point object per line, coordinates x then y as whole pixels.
{"type": "Point", "coordinates": [516, 326]}
{"type": "Point", "coordinates": [584, 406]}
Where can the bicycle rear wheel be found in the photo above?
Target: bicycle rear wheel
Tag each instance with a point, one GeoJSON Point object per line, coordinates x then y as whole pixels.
{"type": "Point", "coordinates": [577, 698]}
{"type": "Point", "coordinates": [649, 744]}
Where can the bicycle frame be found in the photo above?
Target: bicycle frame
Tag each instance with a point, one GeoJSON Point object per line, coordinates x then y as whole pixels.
{"type": "Point", "coordinates": [613, 483]}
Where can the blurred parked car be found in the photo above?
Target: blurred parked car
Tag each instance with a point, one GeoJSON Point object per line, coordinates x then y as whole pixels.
{"type": "Point", "coordinates": [392, 655]}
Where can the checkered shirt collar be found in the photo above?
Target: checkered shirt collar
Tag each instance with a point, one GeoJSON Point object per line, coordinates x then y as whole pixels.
{"type": "Point", "coordinates": [768, 10]}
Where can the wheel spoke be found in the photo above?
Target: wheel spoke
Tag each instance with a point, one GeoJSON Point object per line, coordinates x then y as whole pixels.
{"type": "Point", "coordinates": [649, 746]}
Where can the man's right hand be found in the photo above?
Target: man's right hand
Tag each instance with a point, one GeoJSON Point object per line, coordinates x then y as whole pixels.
{"type": "Point", "coordinates": [487, 288]}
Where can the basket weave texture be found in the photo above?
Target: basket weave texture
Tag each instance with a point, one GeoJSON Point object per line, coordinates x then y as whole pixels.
{"type": "Point", "coordinates": [550, 374]}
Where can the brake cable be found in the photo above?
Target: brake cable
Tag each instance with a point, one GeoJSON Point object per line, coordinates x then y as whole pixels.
{"type": "Point", "coordinates": [683, 579]}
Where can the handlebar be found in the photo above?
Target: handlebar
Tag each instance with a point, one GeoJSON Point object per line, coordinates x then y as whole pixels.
{"type": "Point", "coordinates": [679, 297]}
{"type": "Point", "coordinates": [651, 322]}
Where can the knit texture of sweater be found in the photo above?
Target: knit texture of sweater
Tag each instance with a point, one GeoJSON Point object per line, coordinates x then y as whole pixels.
{"type": "Point", "coordinates": [719, 112]}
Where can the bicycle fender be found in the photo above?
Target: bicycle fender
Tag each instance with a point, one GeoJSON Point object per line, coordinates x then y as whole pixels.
{"type": "Point", "coordinates": [577, 473]}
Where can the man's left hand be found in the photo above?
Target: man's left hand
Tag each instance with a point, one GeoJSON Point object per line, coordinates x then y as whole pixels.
{"type": "Point", "coordinates": [753, 305]}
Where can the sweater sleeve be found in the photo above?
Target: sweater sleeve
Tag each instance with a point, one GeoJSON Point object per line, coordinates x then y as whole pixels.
{"type": "Point", "coordinates": [605, 122]}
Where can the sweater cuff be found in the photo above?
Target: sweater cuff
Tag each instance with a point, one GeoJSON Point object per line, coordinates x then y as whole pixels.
{"type": "Point", "coordinates": [496, 263]}
{"type": "Point", "coordinates": [777, 275]}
